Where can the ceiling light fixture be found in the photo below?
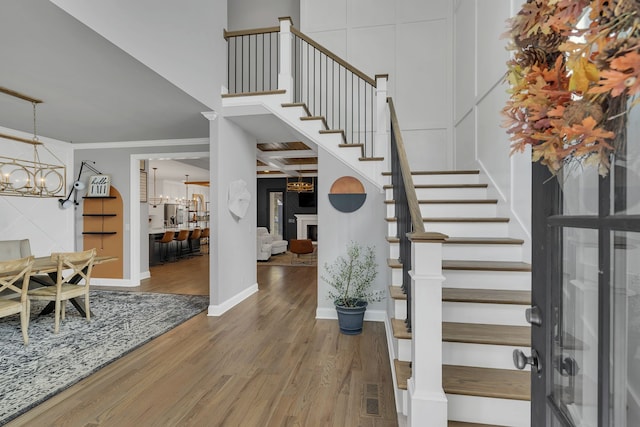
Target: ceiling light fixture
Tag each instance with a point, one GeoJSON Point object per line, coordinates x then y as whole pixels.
{"type": "Point", "coordinates": [301, 186]}
{"type": "Point", "coordinates": [155, 201]}
{"type": "Point", "coordinates": [30, 178]}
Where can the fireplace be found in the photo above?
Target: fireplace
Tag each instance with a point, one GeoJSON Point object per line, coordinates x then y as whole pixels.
{"type": "Point", "coordinates": [304, 223]}
{"type": "Point", "coordinates": [312, 232]}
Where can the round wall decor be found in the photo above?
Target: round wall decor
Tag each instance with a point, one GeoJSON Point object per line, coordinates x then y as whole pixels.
{"type": "Point", "coordinates": [347, 194]}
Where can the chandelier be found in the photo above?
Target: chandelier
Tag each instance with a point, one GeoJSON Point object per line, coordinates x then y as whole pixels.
{"type": "Point", "coordinates": [30, 178]}
{"type": "Point", "coordinates": [300, 186]}
{"type": "Point", "coordinates": [155, 201]}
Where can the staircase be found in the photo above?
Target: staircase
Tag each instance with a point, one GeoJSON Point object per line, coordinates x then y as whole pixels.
{"type": "Point", "coordinates": [484, 296]}
{"type": "Point", "coordinates": [486, 286]}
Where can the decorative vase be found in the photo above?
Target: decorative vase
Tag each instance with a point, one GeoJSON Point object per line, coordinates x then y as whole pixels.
{"type": "Point", "coordinates": [350, 319]}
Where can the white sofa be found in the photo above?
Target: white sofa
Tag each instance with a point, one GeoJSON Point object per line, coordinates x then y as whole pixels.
{"type": "Point", "coordinates": [278, 245]}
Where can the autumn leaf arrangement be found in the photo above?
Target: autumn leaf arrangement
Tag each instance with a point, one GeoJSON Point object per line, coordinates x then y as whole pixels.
{"type": "Point", "coordinates": [574, 75]}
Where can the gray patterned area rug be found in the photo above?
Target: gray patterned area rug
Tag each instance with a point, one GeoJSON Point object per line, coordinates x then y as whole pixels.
{"type": "Point", "coordinates": [121, 322]}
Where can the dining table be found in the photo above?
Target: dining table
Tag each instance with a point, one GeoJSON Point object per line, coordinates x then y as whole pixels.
{"type": "Point", "coordinates": [47, 265]}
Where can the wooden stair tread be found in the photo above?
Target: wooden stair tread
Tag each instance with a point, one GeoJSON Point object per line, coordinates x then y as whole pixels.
{"type": "Point", "coordinates": [463, 424]}
{"type": "Point", "coordinates": [486, 296]}
{"type": "Point", "coordinates": [486, 265]}
{"type": "Point", "coordinates": [483, 241]}
{"type": "Point", "coordinates": [396, 292]}
{"type": "Point", "coordinates": [456, 219]}
{"type": "Point", "coordinates": [400, 329]}
{"type": "Point", "coordinates": [393, 239]}
{"type": "Point", "coordinates": [403, 373]}
{"type": "Point", "coordinates": [486, 382]}
{"type": "Point", "coordinates": [442, 172]}
{"type": "Point", "coordinates": [394, 263]}
{"type": "Point", "coordinates": [476, 333]}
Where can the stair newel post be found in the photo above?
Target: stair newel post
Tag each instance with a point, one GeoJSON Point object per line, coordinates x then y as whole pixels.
{"type": "Point", "coordinates": [427, 400]}
{"type": "Point", "coordinates": [285, 75]}
{"type": "Point", "coordinates": [381, 146]}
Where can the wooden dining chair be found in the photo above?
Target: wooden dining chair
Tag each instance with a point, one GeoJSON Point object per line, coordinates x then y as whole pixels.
{"type": "Point", "coordinates": [72, 267]}
{"type": "Point", "coordinates": [14, 284]}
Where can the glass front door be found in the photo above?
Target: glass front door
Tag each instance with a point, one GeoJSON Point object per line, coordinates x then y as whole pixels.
{"type": "Point", "coordinates": [586, 295]}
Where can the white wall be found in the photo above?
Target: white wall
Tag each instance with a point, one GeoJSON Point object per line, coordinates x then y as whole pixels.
{"type": "Point", "coordinates": [411, 41]}
{"type": "Point", "coordinates": [247, 14]}
{"type": "Point", "coordinates": [480, 94]}
{"type": "Point", "coordinates": [175, 39]}
{"type": "Point", "coordinates": [336, 230]}
{"type": "Point", "coordinates": [47, 227]}
{"type": "Point", "coordinates": [233, 241]}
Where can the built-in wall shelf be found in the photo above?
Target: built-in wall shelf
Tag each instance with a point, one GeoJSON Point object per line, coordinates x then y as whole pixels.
{"type": "Point", "coordinates": [103, 229]}
{"type": "Point", "coordinates": [99, 232]}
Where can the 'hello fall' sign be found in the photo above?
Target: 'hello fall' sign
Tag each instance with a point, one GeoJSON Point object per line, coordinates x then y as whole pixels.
{"type": "Point", "coordinates": [99, 186]}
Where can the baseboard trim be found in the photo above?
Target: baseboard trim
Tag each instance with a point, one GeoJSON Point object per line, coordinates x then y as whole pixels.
{"type": "Point", "coordinates": [369, 315]}
{"type": "Point", "coordinates": [121, 283]}
{"type": "Point", "coordinates": [145, 275]}
{"type": "Point", "coordinates": [220, 309]}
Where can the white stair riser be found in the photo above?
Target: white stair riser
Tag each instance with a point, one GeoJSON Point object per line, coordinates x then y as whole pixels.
{"type": "Point", "coordinates": [463, 178]}
{"type": "Point", "coordinates": [394, 250]}
{"type": "Point", "coordinates": [404, 350]}
{"type": "Point", "coordinates": [451, 193]}
{"type": "Point", "coordinates": [515, 280]}
{"type": "Point", "coordinates": [469, 229]}
{"type": "Point", "coordinates": [392, 228]}
{"type": "Point", "coordinates": [402, 401]}
{"type": "Point", "coordinates": [486, 410]}
{"type": "Point", "coordinates": [477, 252]}
{"type": "Point", "coordinates": [396, 277]}
{"type": "Point", "coordinates": [480, 355]}
{"type": "Point", "coordinates": [493, 314]}
{"type": "Point", "coordinates": [459, 210]}
{"type": "Point", "coordinates": [400, 309]}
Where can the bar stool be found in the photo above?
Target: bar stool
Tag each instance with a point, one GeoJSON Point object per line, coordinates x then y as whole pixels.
{"type": "Point", "coordinates": [204, 238]}
{"type": "Point", "coordinates": [180, 238]}
{"type": "Point", "coordinates": [194, 237]}
{"type": "Point", "coordinates": [165, 241]}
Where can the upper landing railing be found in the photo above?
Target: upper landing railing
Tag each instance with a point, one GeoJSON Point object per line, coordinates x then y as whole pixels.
{"type": "Point", "coordinates": [282, 58]}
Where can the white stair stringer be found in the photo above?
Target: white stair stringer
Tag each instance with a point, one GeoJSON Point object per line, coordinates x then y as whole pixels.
{"type": "Point", "coordinates": [307, 130]}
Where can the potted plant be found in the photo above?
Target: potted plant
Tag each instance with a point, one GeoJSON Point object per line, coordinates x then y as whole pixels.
{"type": "Point", "coordinates": [351, 278]}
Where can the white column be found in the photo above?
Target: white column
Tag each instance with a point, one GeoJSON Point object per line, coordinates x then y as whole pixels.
{"type": "Point", "coordinates": [285, 76]}
{"type": "Point", "coordinates": [427, 401]}
{"type": "Point", "coordinates": [382, 147]}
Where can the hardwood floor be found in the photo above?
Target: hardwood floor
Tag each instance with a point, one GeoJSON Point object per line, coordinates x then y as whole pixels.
{"type": "Point", "coordinates": [266, 362]}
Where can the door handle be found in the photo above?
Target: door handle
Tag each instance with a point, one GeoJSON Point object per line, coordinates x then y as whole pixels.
{"type": "Point", "coordinates": [567, 366]}
{"type": "Point", "coordinates": [520, 360]}
{"type": "Point", "coordinates": [533, 315]}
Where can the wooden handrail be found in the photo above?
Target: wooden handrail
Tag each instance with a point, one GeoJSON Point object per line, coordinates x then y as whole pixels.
{"type": "Point", "coordinates": [412, 199]}
{"type": "Point", "coordinates": [253, 31]}
{"type": "Point", "coordinates": [334, 57]}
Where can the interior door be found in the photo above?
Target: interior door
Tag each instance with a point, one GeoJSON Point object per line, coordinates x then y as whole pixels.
{"type": "Point", "coordinates": [585, 312]}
